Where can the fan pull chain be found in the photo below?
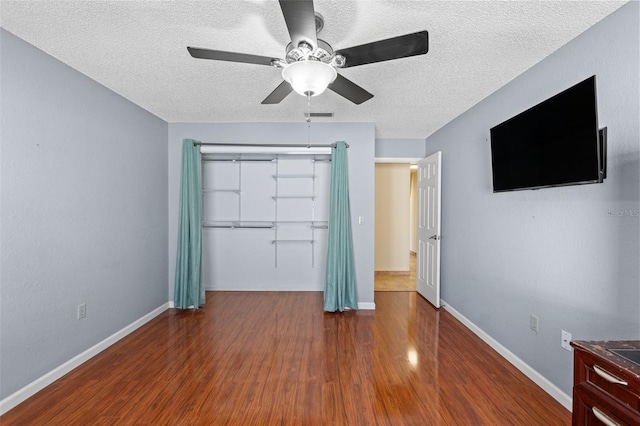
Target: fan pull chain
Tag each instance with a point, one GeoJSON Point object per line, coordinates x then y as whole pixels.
{"type": "Point", "coordinates": [308, 119]}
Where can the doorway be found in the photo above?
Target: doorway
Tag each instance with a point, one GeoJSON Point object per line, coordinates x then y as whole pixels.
{"type": "Point", "coordinates": [396, 226]}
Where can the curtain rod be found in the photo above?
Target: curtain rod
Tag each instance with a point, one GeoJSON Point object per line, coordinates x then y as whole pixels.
{"type": "Point", "coordinates": [269, 145]}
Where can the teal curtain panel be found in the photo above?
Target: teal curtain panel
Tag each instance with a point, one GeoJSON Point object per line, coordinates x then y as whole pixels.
{"type": "Point", "coordinates": [189, 290]}
{"type": "Point", "coordinates": [340, 286]}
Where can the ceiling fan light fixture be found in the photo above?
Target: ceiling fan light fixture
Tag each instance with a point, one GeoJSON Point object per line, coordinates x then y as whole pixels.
{"type": "Point", "coordinates": [309, 77]}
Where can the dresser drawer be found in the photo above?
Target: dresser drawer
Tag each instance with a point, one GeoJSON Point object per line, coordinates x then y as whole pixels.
{"type": "Point", "coordinates": [607, 377]}
{"type": "Point", "coordinates": [591, 406]}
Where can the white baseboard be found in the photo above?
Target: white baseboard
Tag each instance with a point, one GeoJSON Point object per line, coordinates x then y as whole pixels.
{"type": "Point", "coordinates": [525, 368]}
{"type": "Point", "coordinates": [361, 305]}
{"type": "Point", "coordinates": [37, 385]}
{"type": "Point", "coordinates": [263, 287]}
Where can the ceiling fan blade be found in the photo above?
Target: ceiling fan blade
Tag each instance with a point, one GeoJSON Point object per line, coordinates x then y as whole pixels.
{"type": "Point", "coordinates": [301, 21]}
{"type": "Point", "coordinates": [278, 94]}
{"type": "Point", "coordinates": [219, 55]}
{"type": "Point", "coordinates": [386, 50]}
{"type": "Point", "coordinates": [348, 89]}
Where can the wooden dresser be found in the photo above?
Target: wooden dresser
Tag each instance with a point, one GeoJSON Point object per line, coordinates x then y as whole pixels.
{"type": "Point", "coordinates": [606, 387]}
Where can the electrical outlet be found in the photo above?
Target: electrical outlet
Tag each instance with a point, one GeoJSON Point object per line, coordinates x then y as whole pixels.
{"type": "Point", "coordinates": [566, 339]}
{"type": "Point", "coordinates": [82, 310]}
{"type": "Point", "coordinates": [533, 323]}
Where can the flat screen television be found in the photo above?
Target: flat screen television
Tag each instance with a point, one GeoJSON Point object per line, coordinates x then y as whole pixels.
{"type": "Point", "coordinates": [554, 143]}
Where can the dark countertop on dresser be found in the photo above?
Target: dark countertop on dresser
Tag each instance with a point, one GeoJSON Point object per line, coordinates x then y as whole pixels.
{"type": "Point", "coordinates": [601, 348]}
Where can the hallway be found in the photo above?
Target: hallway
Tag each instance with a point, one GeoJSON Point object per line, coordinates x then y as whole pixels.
{"type": "Point", "coordinates": [397, 281]}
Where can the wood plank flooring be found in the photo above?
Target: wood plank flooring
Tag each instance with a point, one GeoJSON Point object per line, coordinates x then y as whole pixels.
{"type": "Point", "coordinates": [266, 358]}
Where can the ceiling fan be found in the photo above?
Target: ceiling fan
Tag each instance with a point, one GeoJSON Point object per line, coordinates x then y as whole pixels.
{"type": "Point", "coordinates": [310, 63]}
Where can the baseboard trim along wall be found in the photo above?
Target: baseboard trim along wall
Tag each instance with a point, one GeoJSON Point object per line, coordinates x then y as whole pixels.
{"type": "Point", "coordinates": [262, 287]}
{"type": "Point", "coordinates": [37, 385]}
{"type": "Point", "coordinates": [365, 306]}
{"type": "Point", "coordinates": [527, 370]}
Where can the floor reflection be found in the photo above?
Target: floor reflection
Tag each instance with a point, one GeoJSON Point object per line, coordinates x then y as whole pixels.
{"type": "Point", "coordinates": [406, 358]}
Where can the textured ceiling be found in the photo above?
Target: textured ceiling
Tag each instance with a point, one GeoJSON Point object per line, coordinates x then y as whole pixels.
{"type": "Point", "coordinates": [138, 49]}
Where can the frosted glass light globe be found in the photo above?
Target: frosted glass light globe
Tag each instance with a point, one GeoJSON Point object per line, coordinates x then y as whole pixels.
{"type": "Point", "coordinates": [309, 77]}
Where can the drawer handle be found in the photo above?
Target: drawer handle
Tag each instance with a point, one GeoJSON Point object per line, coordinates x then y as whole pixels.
{"type": "Point", "coordinates": [608, 376]}
{"type": "Point", "coordinates": [603, 417]}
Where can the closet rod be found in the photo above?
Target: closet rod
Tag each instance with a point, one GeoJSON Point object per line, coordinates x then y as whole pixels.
{"type": "Point", "coordinates": [233, 160]}
{"type": "Point", "coordinates": [237, 227]}
{"type": "Point", "coordinates": [269, 145]}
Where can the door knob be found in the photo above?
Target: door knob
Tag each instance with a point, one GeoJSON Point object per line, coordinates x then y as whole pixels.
{"type": "Point", "coordinates": [435, 237]}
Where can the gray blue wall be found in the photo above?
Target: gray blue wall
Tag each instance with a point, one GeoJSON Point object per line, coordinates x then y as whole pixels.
{"type": "Point", "coordinates": [360, 138]}
{"type": "Point", "coordinates": [84, 213]}
{"type": "Point", "coordinates": [568, 255]}
{"type": "Point", "coordinates": [400, 148]}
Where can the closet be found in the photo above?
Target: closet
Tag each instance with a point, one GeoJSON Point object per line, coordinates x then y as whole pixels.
{"type": "Point", "coordinates": [265, 219]}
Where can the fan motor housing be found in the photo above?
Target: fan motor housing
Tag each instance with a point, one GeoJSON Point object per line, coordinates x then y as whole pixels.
{"type": "Point", "coordinates": [323, 52]}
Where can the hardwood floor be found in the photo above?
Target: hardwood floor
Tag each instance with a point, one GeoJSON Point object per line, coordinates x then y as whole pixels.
{"type": "Point", "coordinates": [265, 358]}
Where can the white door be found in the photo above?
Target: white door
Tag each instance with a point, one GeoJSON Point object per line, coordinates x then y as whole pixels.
{"type": "Point", "coordinates": [428, 256]}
